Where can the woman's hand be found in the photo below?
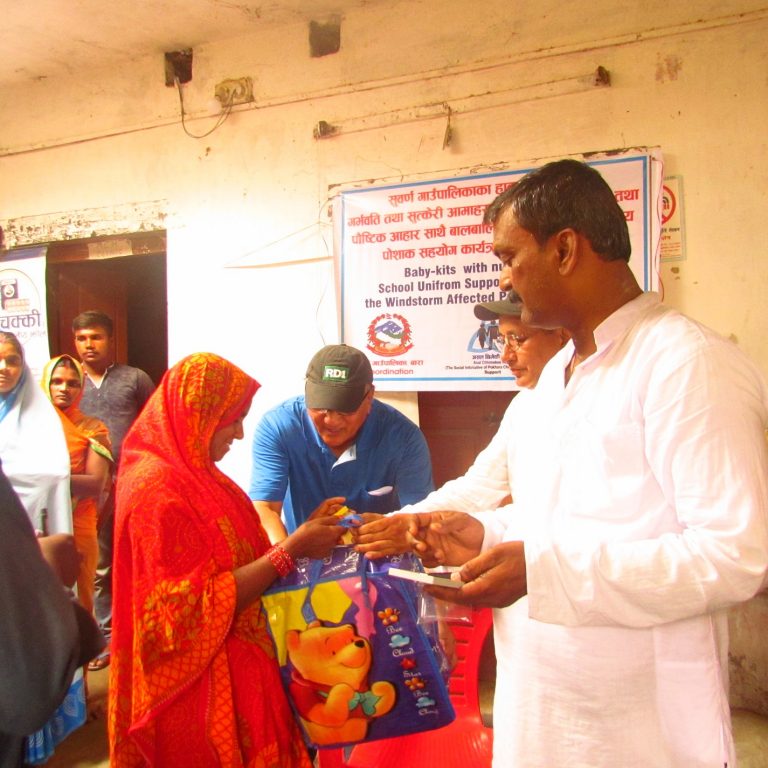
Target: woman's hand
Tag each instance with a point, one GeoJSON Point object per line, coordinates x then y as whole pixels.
{"type": "Point", "coordinates": [315, 538]}
{"type": "Point", "coordinates": [328, 508]}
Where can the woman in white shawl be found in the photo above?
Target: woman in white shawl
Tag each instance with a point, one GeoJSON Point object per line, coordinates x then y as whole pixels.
{"type": "Point", "coordinates": [36, 461]}
{"type": "Point", "coordinates": [32, 445]}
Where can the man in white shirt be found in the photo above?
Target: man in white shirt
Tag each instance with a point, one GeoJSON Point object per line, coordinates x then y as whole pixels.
{"type": "Point", "coordinates": [525, 351]}
{"type": "Point", "coordinates": [639, 472]}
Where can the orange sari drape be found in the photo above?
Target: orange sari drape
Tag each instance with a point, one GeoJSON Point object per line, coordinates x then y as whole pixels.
{"type": "Point", "coordinates": [190, 684]}
{"type": "Point", "coordinates": [82, 433]}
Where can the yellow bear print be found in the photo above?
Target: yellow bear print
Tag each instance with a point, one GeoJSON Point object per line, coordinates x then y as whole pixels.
{"type": "Point", "coordinates": [329, 683]}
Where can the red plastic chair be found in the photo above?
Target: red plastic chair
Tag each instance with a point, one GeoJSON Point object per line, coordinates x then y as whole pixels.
{"type": "Point", "coordinates": [466, 743]}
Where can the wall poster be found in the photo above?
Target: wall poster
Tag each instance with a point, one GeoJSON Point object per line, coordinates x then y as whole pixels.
{"type": "Point", "coordinates": [23, 303]}
{"type": "Point", "coordinates": [414, 259]}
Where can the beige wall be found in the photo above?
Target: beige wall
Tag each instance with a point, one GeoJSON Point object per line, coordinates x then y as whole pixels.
{"type": "Point", "coordinates": [690, 78]}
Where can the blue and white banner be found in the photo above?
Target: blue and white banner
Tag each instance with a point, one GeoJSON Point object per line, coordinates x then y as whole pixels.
{"type": "Point", "coordinates": [415, 258]}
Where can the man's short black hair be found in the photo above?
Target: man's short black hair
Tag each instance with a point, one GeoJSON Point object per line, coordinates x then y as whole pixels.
{"type": "Point", "coordinates": [93, 318]}
{"type": "Point", "coordinates": [567, 194]}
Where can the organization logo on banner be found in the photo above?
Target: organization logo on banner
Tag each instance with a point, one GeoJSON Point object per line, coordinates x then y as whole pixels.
{"type": "Point", "coordinates": [9, 294]}
{"type": "Point", "coordinates": [389, 335]}
{"type": "Point", "coordinates": [20, 303]}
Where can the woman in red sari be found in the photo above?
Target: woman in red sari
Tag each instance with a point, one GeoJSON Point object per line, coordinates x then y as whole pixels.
{"type": "Point", "coordinates": [90, 461]}
{"type": "Point", "coordinates": [194, 680]}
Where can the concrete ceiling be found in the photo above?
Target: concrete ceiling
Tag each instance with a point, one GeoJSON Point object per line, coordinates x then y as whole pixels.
{"type": "Point", "coordinates": [42, 39]}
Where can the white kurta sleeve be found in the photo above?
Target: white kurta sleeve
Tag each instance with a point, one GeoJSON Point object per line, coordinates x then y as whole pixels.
{"type": "Point", "coordinates": [662, 511]}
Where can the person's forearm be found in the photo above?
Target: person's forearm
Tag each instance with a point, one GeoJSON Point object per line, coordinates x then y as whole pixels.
{"type": "Point", "coordinates": [86, 486]}
{"type": "Point", "coordinates": [312, 539]}
{"type": "Point", "coordinates": [275, 529]}
{"type": "Point", "coordinates": [92, 482]}
{"type": "Point", "coordinates": [271, 521]}
{"type": "Point", "coordinates": [251, 580]}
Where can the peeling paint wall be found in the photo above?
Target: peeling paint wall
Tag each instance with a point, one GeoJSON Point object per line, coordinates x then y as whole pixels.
{"type": "Point", "coordinates": [88, 223]}
{"type": "Point", "coordinates": [105, 151]}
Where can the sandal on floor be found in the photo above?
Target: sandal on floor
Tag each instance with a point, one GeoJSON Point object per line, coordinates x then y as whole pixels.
{"type": "Point", "coordinates": [100, 662]}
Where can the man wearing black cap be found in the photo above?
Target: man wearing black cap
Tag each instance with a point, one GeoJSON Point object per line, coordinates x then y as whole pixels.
{"type": "Point", "coordinates": [335, 445]}
{"type": "Point", "coordinates": [525, 349]}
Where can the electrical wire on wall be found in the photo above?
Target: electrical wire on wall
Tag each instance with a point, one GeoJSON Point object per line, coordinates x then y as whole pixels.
{"type": "Point", "coordinates": [329, 252]}
{"type": "Point", "coordinates": [303, 243]}
{"type": "Point", "coordinates": [226, 111]}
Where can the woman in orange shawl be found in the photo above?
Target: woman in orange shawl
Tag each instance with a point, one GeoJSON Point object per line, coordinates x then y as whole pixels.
{"type": "Point", "coordinates": [90, 460]}
{"type": "Point", "coordinates": [194, 681]}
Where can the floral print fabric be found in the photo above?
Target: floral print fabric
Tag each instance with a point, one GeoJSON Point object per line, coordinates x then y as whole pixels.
{"type": "Point", "coordinates": [190, 683]}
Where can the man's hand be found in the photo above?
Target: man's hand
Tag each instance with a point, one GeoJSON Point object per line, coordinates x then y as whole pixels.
{"type": "Point", "coordinates": [382, 535]}
{"type": "Point", "coordinates": [60, 553]}
{"type": "Point", "coordinates": [494, 579]}
{"type": "Point", "coordinates": [446, 538]}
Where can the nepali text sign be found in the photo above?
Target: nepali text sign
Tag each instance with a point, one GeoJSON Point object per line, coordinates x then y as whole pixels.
{"type": "Point", "coordinates": [415, 259]}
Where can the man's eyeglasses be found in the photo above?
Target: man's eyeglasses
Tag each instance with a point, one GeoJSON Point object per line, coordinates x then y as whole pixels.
{"type": "Point", "coordinates": [327, 411]}
{"type": "Point", "coordinates": [513, 341]}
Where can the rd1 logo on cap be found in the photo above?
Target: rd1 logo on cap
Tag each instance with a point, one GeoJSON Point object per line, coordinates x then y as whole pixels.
{"type": "Point", "coordinates": [335, 373]}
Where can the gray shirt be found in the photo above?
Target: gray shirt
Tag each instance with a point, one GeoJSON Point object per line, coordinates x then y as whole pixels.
{"type": "Point", "coordinates": [117, 401]}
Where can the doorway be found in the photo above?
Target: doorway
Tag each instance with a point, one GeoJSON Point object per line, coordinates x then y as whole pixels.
{"type": "Point", "coordinates": [123, 276]}
{"type": "Point", "coordinates": [457, 426]}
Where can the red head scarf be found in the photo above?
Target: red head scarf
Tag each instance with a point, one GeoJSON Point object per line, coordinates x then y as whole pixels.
{"type": "Point", "coordinates": [190, 682]}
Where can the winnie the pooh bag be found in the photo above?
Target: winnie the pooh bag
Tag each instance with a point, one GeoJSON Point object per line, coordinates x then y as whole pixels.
{"type": "Point", "coordinates": [356, 664]}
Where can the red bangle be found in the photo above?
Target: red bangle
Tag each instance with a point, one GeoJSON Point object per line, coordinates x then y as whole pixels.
{"type": "Point", "coordinates": [282, 562]}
